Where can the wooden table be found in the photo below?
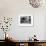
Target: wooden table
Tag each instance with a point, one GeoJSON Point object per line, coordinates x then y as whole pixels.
{"type": "Point", "coordinates": [27, 42]}
{"type": "Point", "coordinates": [30, 43]}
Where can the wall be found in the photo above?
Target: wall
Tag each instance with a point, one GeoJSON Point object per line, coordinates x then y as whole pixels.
{"type": "Point", "coordinates": [13, 8]}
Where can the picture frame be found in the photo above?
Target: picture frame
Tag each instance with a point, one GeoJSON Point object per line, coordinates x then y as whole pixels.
{"type": "Point", "coordinates": [25, 20]}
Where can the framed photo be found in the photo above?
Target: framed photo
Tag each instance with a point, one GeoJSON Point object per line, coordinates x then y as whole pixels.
{"type": "Point", "coordinates": [25, 20]}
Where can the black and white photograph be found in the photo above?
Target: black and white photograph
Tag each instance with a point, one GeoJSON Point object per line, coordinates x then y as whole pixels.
{"type": "Point", "coordinates": [25, 20]}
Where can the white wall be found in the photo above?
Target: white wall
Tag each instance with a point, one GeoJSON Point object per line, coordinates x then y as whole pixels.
{"type": "Point", "coordinates": [13, 8]}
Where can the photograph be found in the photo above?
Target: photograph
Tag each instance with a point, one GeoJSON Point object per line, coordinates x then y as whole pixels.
{"type": "Point", "coordinates": [26, 20]}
